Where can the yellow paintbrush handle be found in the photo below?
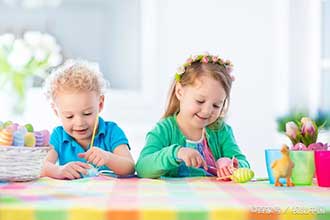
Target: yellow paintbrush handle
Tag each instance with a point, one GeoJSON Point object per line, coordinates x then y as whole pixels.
{"type": "Point", "coordinates": [94, 130]}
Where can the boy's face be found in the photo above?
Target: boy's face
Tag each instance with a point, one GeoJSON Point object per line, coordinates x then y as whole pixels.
{"type": "Point", "coordinates": [201, 103]}
{"type": "Point", "coordinates": [77, 111]}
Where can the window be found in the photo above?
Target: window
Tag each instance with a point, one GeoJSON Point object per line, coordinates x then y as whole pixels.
{"type": "Point", "coordinates": [107, 32]}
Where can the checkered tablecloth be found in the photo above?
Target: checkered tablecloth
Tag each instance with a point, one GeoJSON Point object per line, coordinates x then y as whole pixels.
{"type": "Point", "coordinates": [173, 199]}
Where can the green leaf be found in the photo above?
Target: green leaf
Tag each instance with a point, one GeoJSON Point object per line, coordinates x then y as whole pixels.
{"type": "Point", "coordinates": [18, 82]}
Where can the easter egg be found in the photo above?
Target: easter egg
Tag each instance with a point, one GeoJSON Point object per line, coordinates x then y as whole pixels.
{"type": "Point", "coordinates": [39, 138]}
{"type": "Point", "coordinates": [18, 138]}
{"type": "Point", "coordinates": [13, 127]}
{"type": "Point", "coordinates": [6, 137]}
{"type": "Point", "coordinates": [22, 129]}
{"type": "Point", "coordinates": [7, 123]}
{"type": "Point", "coordinates": [46, 136]}
{"type": "Point", "coordinates": [242, 175]}
{"type": "Point", "coordinates": [29, 127]}
{"type": "Point", "coordinates": [29, 139]}
{"type": "Point", "coordinates": [91, 172]}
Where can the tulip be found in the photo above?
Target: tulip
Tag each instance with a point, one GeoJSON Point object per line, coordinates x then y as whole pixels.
{"type": "Point", "coordinates": [20, 55]}
{"type": "Point", "coordinates": [309, 131]}
{"type": "Point", "coordinates": [292, 131]}
{"type": "Point", "coordinates": [308, 126]}
{"type": "Point", "coordinates": [303, 135]}
{"type": "Point", "coordinates": [6, 40]}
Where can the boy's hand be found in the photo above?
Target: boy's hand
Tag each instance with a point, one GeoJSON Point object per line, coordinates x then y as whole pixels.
{"type": "Point", "coordinates": [73, 170]}
{"type": "Point", "coordinates": [191, 157]}
{"type": "Point", "coordinates": [96, 156]}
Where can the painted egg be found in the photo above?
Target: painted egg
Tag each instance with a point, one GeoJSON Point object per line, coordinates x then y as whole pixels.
{"type": "Point", "coordinates": [242, 175]}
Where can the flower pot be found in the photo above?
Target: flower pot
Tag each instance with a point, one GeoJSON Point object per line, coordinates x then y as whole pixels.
{"type": "Point", "coordinates": [271, 155]}
{"type": "Point", "coordinates": [322, 166]}
{"type": "Point", "coordinates": [304, 167]}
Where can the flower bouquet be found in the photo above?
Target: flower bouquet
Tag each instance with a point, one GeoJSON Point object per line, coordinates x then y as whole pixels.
{"type": "Point", "coordinates": [23, 59]}
{"type": "Point", "coordinates": [303, 135]}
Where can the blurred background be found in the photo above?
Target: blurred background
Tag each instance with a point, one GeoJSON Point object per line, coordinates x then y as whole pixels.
{"type": "Point", "coordinates": [280, 50]}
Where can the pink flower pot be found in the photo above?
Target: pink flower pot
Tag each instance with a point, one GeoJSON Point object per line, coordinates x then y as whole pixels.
{"type": "Point", "coordinates": [322, 165]}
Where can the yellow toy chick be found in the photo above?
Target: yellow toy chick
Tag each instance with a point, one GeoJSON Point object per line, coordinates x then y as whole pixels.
{"type": "Point", "coordinates": [282, 168]}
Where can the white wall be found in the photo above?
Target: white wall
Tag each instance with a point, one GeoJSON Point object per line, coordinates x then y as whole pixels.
{"type": "Point", "coordinates": [304, 54]}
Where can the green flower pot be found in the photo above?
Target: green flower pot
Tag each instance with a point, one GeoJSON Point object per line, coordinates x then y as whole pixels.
{"type": "Point", "coordinates": [304, 167]}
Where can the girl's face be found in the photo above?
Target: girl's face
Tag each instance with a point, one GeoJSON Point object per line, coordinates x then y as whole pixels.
{"type": "Point", "coordinates": [200, 103]}
{"type": "Point", "coordinates": [77, 112]}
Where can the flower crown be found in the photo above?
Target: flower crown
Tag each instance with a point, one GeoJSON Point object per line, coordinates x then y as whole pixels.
{"type": "Point", "coordinates": [204, 58]}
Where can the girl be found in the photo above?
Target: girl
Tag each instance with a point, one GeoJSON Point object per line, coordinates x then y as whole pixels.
{"type": "Point", "coordinates": [192, 136]}
{"type": "Point", "coordinates": [76, 91]}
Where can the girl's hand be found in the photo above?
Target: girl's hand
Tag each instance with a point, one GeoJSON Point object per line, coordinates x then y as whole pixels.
{"type": "Point", "coordinates": [96, 156]}
{"type": "Point", "coordinates": [73, 170]}
{"type": "Point", "coordinates": [191, 157]}
{"type": "Point", "coordinates": [226, 167]}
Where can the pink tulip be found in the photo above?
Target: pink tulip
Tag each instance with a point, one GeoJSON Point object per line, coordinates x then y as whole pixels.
{"type": "Point", "coordinates": [292, 131]}
{"type": "Point", "coordinates": [308, 127]}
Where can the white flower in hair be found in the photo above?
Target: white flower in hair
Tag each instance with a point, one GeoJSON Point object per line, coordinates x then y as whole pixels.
{"type": "Point", "coordinates": [194, 58]}
{"type": "Point", "coordinates": [180, 70]}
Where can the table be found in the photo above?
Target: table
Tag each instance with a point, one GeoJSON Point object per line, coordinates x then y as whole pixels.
{"type": "Point", "coordinates": [103, 197]}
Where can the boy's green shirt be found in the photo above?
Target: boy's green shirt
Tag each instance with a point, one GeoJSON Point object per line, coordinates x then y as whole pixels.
{"type": "Point", "coordinates": [159, 155]}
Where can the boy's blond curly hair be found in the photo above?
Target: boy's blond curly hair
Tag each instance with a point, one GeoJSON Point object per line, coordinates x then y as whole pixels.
{"type": "Point", "coordinates": [75, 75]}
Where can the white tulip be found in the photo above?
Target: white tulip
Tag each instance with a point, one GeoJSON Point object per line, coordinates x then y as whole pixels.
{"type": "Point", "coordinates": [54, 59]}
{"type": "Point", "coordinates": [48, 42]}
{"type": "Point", "coordinates": [6, 40]}
{"type": "Point", "coordinates": [40, 54]}
{"type": "Point", "coordinates": [33, 38]}
{"type": "Point", "coordinates": [34, 46]}
{"type": "Point", "coordinates": [291, 129]}
{"type": "Point", "coordinates": [20, 55]}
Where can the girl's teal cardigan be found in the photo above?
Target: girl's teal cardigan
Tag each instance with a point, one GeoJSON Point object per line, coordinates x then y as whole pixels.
{"type": "Point", "coordinates": [159, 155]}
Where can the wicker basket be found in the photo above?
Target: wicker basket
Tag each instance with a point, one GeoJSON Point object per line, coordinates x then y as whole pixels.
{"type": "Point", "coordinates": [21, 163]}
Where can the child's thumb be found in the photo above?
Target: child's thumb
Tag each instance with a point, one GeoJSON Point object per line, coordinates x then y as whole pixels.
{"type": "Point", "coordinates": [204, 165]}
